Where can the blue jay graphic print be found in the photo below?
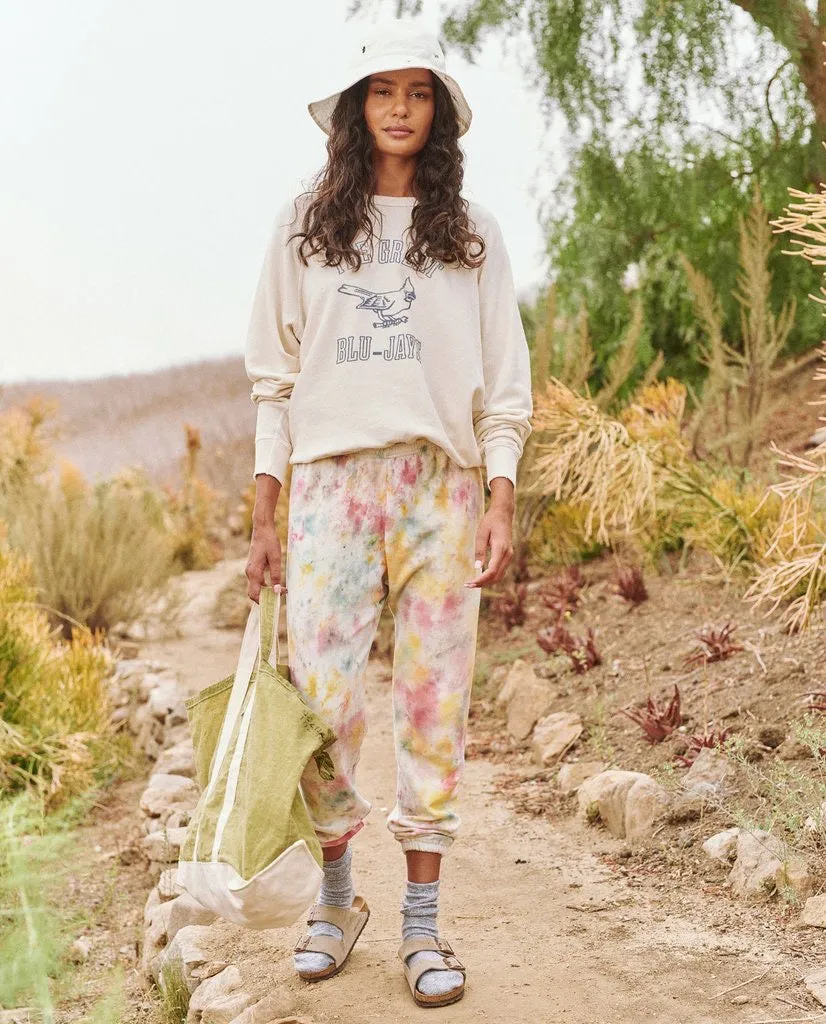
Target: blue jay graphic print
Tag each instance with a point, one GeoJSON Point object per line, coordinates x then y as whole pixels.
{"type": "Point", "coordinates": [390, 307]}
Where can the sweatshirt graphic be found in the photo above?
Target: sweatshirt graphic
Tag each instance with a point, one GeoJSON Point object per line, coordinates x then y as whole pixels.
{"type": "Point", "coordinates": [390, 354]}
{"type": "Point", "coordinates": [389, 306]}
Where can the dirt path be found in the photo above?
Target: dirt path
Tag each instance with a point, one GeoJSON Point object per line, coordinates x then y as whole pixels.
{"type": "Point", "coordinates": [547, 931]}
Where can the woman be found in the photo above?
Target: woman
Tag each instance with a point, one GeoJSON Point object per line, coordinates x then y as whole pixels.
{"type": "Point", "coordinates": [388, 364]}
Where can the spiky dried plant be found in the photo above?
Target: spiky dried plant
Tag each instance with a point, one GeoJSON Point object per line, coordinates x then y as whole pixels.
{"type": "Point", "coordinates": [630, 585]}
{"type": "Point", "coordinates": [713, 739]}
{"type": "Point", "coordinates": [510, 605]}
{"type": "Point", "coordinates": [582, 651]}
{"type": "Point", "coordinates": [713, 644]}
{"type": "Point", "coordinates": [657, 721]}
{"type": "Point", "coordinates": [564, 592]}
{"type": "Point", "coordinates": [736, 402]}
{"type": "Point", "coordinates": [794, 566]}
{"type": "Point", "coordinates": [590, 459]}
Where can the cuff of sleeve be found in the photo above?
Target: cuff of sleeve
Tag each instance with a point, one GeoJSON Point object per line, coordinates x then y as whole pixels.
{"type": "Point", "coordinates": [501, 461]}
{"type": "Point", "coordinates": [272, 457]}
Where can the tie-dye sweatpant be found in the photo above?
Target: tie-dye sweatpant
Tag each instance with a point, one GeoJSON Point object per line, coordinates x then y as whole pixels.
{"type": "Point", "coordinates": [393, 524]}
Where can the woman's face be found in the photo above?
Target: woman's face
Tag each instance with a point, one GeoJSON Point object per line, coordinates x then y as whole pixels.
{"type": "Point", "coordinates": [398, 109]}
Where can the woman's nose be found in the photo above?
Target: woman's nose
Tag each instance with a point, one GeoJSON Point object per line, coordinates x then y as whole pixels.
{"type": "Point", "coordinates": [400, 105]}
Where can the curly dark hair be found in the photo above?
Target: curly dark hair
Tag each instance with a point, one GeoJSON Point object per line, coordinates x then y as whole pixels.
{"type": "Point", "coordinates": [343, 192]}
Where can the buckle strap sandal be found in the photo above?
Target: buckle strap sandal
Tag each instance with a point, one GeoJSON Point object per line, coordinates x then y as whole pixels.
{"type": "Point", "coordinates": [351, 921]}
{"type": "Point", "coordinates": [450, 962]}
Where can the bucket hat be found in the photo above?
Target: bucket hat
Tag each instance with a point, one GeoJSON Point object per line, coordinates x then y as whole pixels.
{"type": "Point", "coordinates": [392, 46]}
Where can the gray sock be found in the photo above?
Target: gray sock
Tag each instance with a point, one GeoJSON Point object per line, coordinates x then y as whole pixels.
{"type": "Point", "coordinates": [336, 891]}
{"type": "Point", "coordinates": [420, 907]}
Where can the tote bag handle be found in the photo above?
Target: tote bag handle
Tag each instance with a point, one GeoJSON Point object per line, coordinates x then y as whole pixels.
{"type": "Point", "coordinates": [260, 636]}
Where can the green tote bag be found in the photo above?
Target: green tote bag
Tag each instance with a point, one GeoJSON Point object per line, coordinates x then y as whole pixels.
{"type": "Point", "coordinates": [250, 852]}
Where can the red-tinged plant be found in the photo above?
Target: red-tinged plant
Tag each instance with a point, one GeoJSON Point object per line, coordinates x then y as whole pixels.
{"type": "Point", "coordinates": [510, 604]}
{"type": "Point", "coordinates": [564, 592]}
{"type": "Point", "coordinates": [713, 738]}
{"type": "Point", "coordinates": [630, 585]}
{"type": "Point", "coordinates": [713, 645]}
{"type": "Point", "coordinates": [656, 721]}
{"type": "Point", "coordinates": [582, 651]}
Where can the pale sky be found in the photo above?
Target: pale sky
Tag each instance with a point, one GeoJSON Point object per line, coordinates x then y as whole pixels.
{"type": "Point", "coordinates": [147, 146]}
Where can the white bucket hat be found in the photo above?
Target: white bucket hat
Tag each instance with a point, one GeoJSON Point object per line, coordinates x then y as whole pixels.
{"type": "Point", "coordinates": [391, 46]}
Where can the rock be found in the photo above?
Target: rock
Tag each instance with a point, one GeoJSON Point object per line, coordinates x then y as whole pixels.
{"type": "Point", "coordinates": [772, 736]}
{"type": "Point", "coordinates": [815, 983]}
{"type": "Point", "coordinates": [740, 1000]}
{"type": "Point", "coordinates": [152, 900]}
{"type": "Point", "coordinates": [176, 818]}
{"type": "Point", "coordinates": [187, 952]}
{"type": "Point", "coordinates": [119, 717]}
{"type": "Point", "coordinates": [817, 438]}
{"type": "Point", "coordinates": [758, 868]}
{"type": "Point", "coordinates": [219, 999]}
{"type": "Point", "coordinates": [529, 700]}
{"type": "Point", "coordinates": [166, 702]}
{"type": "Point", "coordinates": [628, 803]}
{"type": "Point", "coordinates": [520, 673]}
{"type": "Point", "coordinates": [164, 846]}
{"type": "Point", "coordinates": [275, 1006]}
{"type": "Point", "coordinates": [80, 949]}
{"type": "Point", "coordinates": [185, 910]}
{"type": "Point", "coordinates": [167, 919]}
{"type": "Point", "coordinates": [814, 912]}
{"type": "Point", "coordinates": [555, 734]}
{"type": "Point", "coordinates": [685, 808]}
{"type": "Point", "coordinates": [792, 749]}
{"type": "Point", "coordinates": [574, 773]}
{"type": "Point", "coordinates": [796, 878]}
{"type": "Point", "coordinates": [176, 734]}
{"type": "Point", "coordinates": [167, 887]}
{"type": "Point", "coordinates": [707, 775]}
{"type": "Point", "coordinates": [722, 847]}
{"type": "Point", "coordinates": [168, 793]}
{"type": "Point", "coordinates": [177, 760]}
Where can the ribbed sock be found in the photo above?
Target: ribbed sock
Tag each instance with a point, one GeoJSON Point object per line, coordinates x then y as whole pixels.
{"type": "Point", "coordinates": [336, 891]}
{"type": "Point", "coordinates": [420, 908]}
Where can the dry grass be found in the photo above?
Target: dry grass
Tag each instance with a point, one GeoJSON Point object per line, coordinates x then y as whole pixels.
{"type": "Point", "coordinates": [55, 736]}
{"type": "Point", "coordinates": [741, 374]}
{"type": "Point", "coordinates": [101, 555]}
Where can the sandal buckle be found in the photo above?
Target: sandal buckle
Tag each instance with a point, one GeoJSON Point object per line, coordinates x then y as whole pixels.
{"type": "Point", "coordinates": [302, 944]}
{"type": "Point", "coordinates": [445, 946]}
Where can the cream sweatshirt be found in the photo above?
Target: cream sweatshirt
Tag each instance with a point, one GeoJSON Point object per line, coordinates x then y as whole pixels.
{"type": "Point", "coordinates": [342, 360]}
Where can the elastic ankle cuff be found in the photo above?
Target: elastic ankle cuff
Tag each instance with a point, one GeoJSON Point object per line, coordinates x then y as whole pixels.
{"type": "Point", "coordinates": [427, 844]}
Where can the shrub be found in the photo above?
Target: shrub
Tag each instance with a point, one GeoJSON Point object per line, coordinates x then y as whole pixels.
{"type": "Point", "coordinates": [100, 554]}
{"type": "Point", "coordinates": [55, 737]}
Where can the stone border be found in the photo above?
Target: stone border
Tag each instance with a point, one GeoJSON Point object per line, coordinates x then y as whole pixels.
{"type": "Point", "coordinates": [178, 941]}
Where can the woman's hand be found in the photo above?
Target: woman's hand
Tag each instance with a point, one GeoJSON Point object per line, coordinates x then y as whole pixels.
{"type": "Point", "coordinates": [264, 554]}
{"type": "Point", "coordinates": [495, 532]}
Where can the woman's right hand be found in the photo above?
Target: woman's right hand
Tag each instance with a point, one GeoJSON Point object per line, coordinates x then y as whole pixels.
{"type": "Point", "coordinates": [264, 554]}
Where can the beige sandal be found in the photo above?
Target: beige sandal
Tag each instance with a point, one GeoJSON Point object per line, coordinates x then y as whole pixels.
{"type": "Point", "coordinates": [450, 962]}
{"type": "Point", "coordinates": [351, 921]}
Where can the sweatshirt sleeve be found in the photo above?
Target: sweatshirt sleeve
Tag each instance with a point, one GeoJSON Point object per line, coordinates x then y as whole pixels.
{"type": "Point", "coordinates": [271, 355]}
{"type": "Point", "coordinates": [503, 425]}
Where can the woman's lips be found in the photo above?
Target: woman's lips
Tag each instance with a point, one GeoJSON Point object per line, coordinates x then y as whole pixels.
{"type": "Point", "coordinates": [399, 133]}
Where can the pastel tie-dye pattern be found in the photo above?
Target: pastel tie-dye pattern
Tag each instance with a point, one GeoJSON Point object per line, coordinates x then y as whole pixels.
{"type": "Point", "coordinates": [394, 524]}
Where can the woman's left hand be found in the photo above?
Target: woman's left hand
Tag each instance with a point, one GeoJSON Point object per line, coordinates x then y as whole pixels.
{"type": "Point", "coordinates": [495, 532]}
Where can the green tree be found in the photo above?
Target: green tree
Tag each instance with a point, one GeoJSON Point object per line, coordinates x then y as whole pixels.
{"type": "Point", "coordinates": [673, 111]}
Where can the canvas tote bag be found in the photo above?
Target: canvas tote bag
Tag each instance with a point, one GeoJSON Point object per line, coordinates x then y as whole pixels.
{"type": "Point", "coordinates": [250, 852]}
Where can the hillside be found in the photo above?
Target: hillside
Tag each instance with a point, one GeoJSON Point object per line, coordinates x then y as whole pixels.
{"type": "Point", "coordinates": [117, 421]}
